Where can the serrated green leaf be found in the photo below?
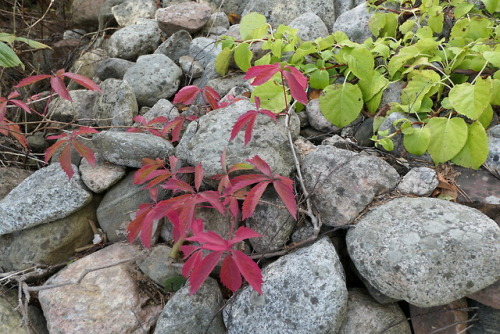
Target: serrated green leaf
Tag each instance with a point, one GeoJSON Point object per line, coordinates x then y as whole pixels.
{"type": "Point", "coordinates": [326, 42]}
{"type": "Point", "coordinates": [371, 87]}
{"type": "Point", "coordinates": [417, 141]}
{"type": "Point", "coordinates": [387, 144]}
{"type": "Point", "coordinates": [495, 91]}
{"type": "Point", "coordinates": [471, 100]}
{"type": "Point", "coordinates": [8, 57]}
{"type": "Point", "coordinates": [382, 50]}
{"type": "Point", "coordinates": [448, 137]}
{"type": "Point", "coordinates": [303, 50]}
{"type": "Point", "coordinates": [373, 104]}
{"type": "Point", "coordinates": [249, 23]}
{"type": "Point", "coordinates": [276, 47]}
{"type": "Point", "coordinates": [493, 57]}
{"type": "Point", "coordinates": [486, 117]}
{"type": "Point", "coordinates": [492, 6]}
{"type": "Point", "coordinates": [407, 26]}
{"type": "Point", "coordinates": [222, 61]}
{"type": "Point", "coordinates": [341, 104]}
{"type": "Point", "coordinates": [264, 60]}
{"type": "Point", "coordinates": [361, 63]}
{"type": "Point", "coordinates": [319, 79]}
{"type": "Point", "coordinates": [420, 84]}
{"type": "Point", "coordinates": [271, 95]}
{"type": "Point", "coordinates": [475, 151]}
{"type": "Point", "coordinates": [376, 23]}
{"type": "Point", "coordinates": [243, 56]}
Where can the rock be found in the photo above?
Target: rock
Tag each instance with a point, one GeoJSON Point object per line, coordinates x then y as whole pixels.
{"type": "Point", "coordinates": [45, 196]}
{"type": "Point", "coordinates": [74, 33]}
{"type": "Point", "coordinates": [155, 265]}
{"type": "Point", "coordinates": [47, 244]}
{"type": "Point", "coordinates": [231, 80]}
{"type": "Point", "coordinates": [217, 25]}
{"type": "Point", "coordinates": [118, 207]}
{"type": "Point", "coordinates": [338, 142]}
{"type": "Point", "coordinates": [310, 26]}
{"type": "Point", "coordinates": [278, 12]}
{"type": "Point", "coordinates": [189, 16]}
{"type": "Point", "coordinates": [11, 321]}
{"type": "Point", "coordinates": [481, 189]}
{"type": "Point", "coordinates": [106, 17]}
{"type": "Point", "coordinates": [426, 251]}
{"type": "Point", "coordinates": [10, 177]}
{"type": "Point", "coordinates": [364, 133]}
{"type": "Point", "coordinates": [37, 143]}
{"type": "Point", "coordinates": [86, 12]}
{"type": "Point", "coordinates": [176, 45]}
{"type": "Point", "coordinates": [107, 298]}
{"type": "Point", "coordinates": [304, 292]}
{"type": "Point", "coordinates": [419, 181]}
{"type": "Point", "coordinates": [317, 120]}
{"type": "Point", "coordinates": [128, 149]}
{"type": "Point", "coordinates": [365, 315]}
{"type": "Point", "coordinates": [134, 40]}
{"type": "Point", "coordinates": [153, 77]}
{"type": "Point", "coordinates": [112, 68]}
{"type": "Point", "coordinates": [81, 108]}
{"type": "Point", "coordinates": [86, 65]}
{"type": "Point", "coordinates": [493, 161]}
{"type": "Point", "coordinates": [206, 138]}
{"type": "Point", "coordinates": [226, 6]}
{"type": "Point", "coordinates": [489, 296]}
{"type": "Point", "coordinates": [392, 94]}
{"type": "Point", "coordinates": [162, 108]}
{"type": "Point", "coordinates": [204, 50]}
{"type": "Point", "coordinates": [342, 6]}
{"type": "Point", "coordinates": [128, 12]}
{"type": "Point", "coordinates": [343, 183]}
{"type": "Point", "coordinates": [190, 314]}
{"type": "Point", "coordinates": [449, 319]}
{"type": "Point", "coordinates": [100, 177]}
{"type": "Point", "coordinates": [191, 68]}
{"type": "Point", "coordinates": [354, 23]}
{"type": "Point", "coordinates": [273, 221]}
{"type": "Point", "coordinates": [117, 106]}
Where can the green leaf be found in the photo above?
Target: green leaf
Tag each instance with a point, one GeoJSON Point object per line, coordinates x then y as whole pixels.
{"type": "Point", "coordinates": [319, 79]}
{"type": "Point", "coordinates": [462, 8]}
{"type": "Point", "coordinates": [264, 60]}
{"type": "Point", "coordinates": [417, 140]}
{"type": "Point", "coordinates": [33, 44]}
{"type": "Point", "coordinates": [420, 84]}
{"type": "Point", "coordinates": [475, 151]}
{"type": "Point", "coordinates": [492, 6]}
{"type": "Point", "coordinates": [407, 26]}
{"type": "Point", "coordinates": [271, 95]}
{"type": "Point", "coordinates": [495, 92]}
{"type": "Point", "coordinates": [387, 144]}
{"type": "Point", "coordinates": [371, 87]}
{"type": "Point", "coordinates": [493, 57]}
{"type": "Point", "coordinates": [471, 100]}
{"type": "Point", "coordinates": [486, 117]}
{"type": "Point", "coordinates": [361, 63]}
{"type": "Point", "coordinates": [373, 104]}
{"type": "Point", "coordinates": [303, 50]}
{"type": "Point", "coordinates": [435, 21]}
{"type": "Point", "coordinates": [243, 56]}
{"type": "Point", "coordinates": [448, 137]}
{"type": "Point", "coordinates": [8, 38]}
{"type": "Point", "coordinates": [173, 284]}
{"type": "Point", "coordinates": [222, 61]}
{"type": "Point", "coordinates": [250, 23]}
{"type": "Point", "coordinates": [8, 57]}
{"type": "Point", "coordinates": [341, 104]}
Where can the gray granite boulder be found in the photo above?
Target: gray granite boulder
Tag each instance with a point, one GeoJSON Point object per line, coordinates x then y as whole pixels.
{"type": "Point", "coordinates": [189, 16]}
{"type": "Point", "coordinates": [365, 315]}
{"type": "Point", "coordinates": [162, 108]}
{"type": "Point", "coordinates": [81, 108]}
{"type": "Point", "coordinates": [317, 120]}
{"type": "Point", "coordinates": [44, 196]}
{"type": "Point", "coordinates": [112, 68]}
{"type": "Point", "coordinates": [493, 161]}
{"type": "Point", "coordinates": [128, 149]}
{"type": "Point", "coordinates": [176, 45]}
{"type": "Point", "coordinates": [342, 183]}
{"type": "Point", "coordinates": [153, 77]}
{"type": "Point", "coordinates": [227, 6]}
{"type": "Point", "coordinates": [117, 106]}
{"type": "Point", "coordinates": [117, 208]}
{"type": "Point", "coordinates": [217, 25]}
{"type": "Point", "coordinates": [101, 176]}
{"type": "Point", "coordinates": [204, 50]}
{"type": "Point", "coordinates": [11, 321]}
{"type": "Point", "coordinates": [50, 243]}
{"type": "Point", "coordinates": [304, 292]}
{"type": "Point", "coordinates": [128, 12]}
{"type": "Point", "coordinates": [206, 138]}
{"type": "Point", "coordinates": [278, 12]}
{"type": "Point", "coordinates": [134, 40]}
{"type": "Point", "coordinates": [310, 26]}
{"type": "Point", "coordinates": [426, 251]}
{"type": "Point", "coordinates": [193, 314]}
{"type": "Point", "coordinates": [155, 265]}
{"type": "Point", "coordinates": [419, 181]}
{"type": "Point", "coordinates": [354, 23]}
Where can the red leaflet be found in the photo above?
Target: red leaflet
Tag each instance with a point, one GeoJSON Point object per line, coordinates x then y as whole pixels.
{"type": "Point", "coordinates": [31, 80]}
{"type": "Point", "coordinates": [262, 73]}
{"type": "Point", "coordinates": [252, 199]}
{"type": "Point", "coordinates": [187, 95]}
{"type": "Point", "coordinates": [211, 96]}
{"type": "Point", "coordinates": [57, 84]}
{"type": "Point", "coordinates": [83, 81]}
{"type": "Point", "coordinates": [296, 89]}
{"type": "Point", "coordinates": [10, 128]}
{"type": "Point", "coordinates": [230, 274]}
{"type": "Point", "coordinates": [261, 165]}
{"type": "Point", "coordinates": [202, 270]}
{"type": "Point", "coordinates": [249, 269]}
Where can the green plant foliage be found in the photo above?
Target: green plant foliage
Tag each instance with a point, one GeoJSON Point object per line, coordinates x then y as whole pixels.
{"type": "Point", "coordinates": [471, 99]}
{"type": "Point", "coordinates": [341, 104]}
{"type": "Point", "coordinates": [448, 137]}
{"type": "Point", "coordinates": [8, 57]}
{"type": "Point", "coordinates": [475, 149]}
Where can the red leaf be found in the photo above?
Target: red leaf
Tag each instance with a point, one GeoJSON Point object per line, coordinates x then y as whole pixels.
{"type": "Point", "coordinates": [243, 122]}
{"type": "Point", "coordinates": [188, 250]}
{"type": "Point", "coordinates": [243, 233]}
{"type": "Point", "coordinates": [284, 188]}
{"type": "Point", "coordinates": [201, 272]}
{"type": "Point", "coordinates": [84, 130]}
{"type": "Point", "coordinates": [296, 89]}
{"type": "Point", "coordinates": [252, 199]}
{"type": "Point", "coordinates": [191, 263]}
{"type": "Point", "coordinates": [249, 269]}
{"type": "Point", "coordinates": [211, 96]}
{"type": "Point", "coordinates": [13, 94]}
{"type": "Point", "coordinates": [31, 80]}
{"type": "Point", "coordinates": [20, 104]}
{"type": "Point", "coordinates": [147, 232]}
{"type": "Point", "coordinates": [85, 152]}
{"type": "Point", "coordinates": [197, 226]}
{"type": "Point", "coordinates": [230, 274]}
{"type": "Point", "coordinates": [3, 108]}
{"type": "Point", "coordinates": [261, 165]}
{"type": "Point", "coordinates": [84, 81]}
{"type": "Point", "coordinates": [134, 227]}
{"type": "Point", "coordinates": [301, 78]}
{"type": "Point", "coordinates": [212, 197]}
{"type": "Point", "coordinates": [242, 181]}
{"type": "Point", "coordinates": [54, 148]}
{"type": "Point", "coordinates": [59, 87]}
{"type": "Point", "coordinates": [198, 176]}
{"type": "Point", "coordinates": [65, 161]}
{"type": "Point", "coordinates": [211, 241]}
{"type": "Point", "coordinates": [15, 131]}
{"type": "Point", "coordinates": [261, 73]}
{"type": "Point", "coordinates": [186, 95]}
{"type": "Point", "coordinates": [178, 185]}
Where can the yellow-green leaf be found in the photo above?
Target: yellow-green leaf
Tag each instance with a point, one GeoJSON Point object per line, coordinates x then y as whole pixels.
{"type": "Point", "coordinates": [471, 100]}
{"type": "Point", "coordinates": [475, 151]}
{"type": "Point", "coordinates": [448, 137]}
{"type": "Point", "coordinates": [493, 57]}
{"type": "Point", "coordinates": [341, 104]}
{"type": "Point", "coordinates": [361, 63]}
{"type": "Point", "coordinates": [417, 141]}
{"type": "Point", "coordinates": [243, 56]}
{"type": "Point", "coordinates": [222, 61]}
{"type": "Point", "coordinates": [251, 22]}
{"type": "Point", "coordinates": [8, 57]}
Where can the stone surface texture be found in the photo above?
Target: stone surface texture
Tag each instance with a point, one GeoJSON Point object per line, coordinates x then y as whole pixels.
{"type": "Point", "coordinates": [10, 177]}
{"type": "Point", "coordinates": [189, 16]}
{"type": "Point", "coordinates": [117, 106]}
{"type": "Point", "coordinates": [426, 251]}
{"type": "Point", "coordinates": [419, 181]}
{"type": "Point", "coordinates": [100, 177]}
{"type": "Point", "coordinates": [128, 12]}
{"type": "Point", "coordinates": [134, 40]}
{"type": "Point", "coordinates": [310, 26]}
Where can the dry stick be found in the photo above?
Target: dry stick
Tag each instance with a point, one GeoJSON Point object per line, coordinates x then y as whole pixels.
{"type": "Point", "coordinates": [43, 16]}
